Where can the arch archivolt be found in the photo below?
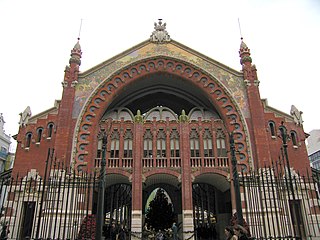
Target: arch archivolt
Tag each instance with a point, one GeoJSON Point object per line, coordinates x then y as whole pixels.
{"type": "Point", "coordinates": [162, 171]}
{"type": "Point", "coordinates": [88, 122]}
{"type": "Point", "coordinates": [119, 172]}
{"type": "Point", "coordinates": [212, 171]}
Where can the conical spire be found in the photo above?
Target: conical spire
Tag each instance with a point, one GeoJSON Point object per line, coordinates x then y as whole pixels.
{"type": "Point", "coordinates": [76, 53]}
{"type": "Point", "coordinates": [244, 53]}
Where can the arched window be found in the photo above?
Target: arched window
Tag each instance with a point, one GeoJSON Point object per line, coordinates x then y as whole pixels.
{"type": "Point", "coordinates": [161, 144]}
{"type": "Point", "coordinates": [174, 144]}
{"type": "Point", "coordinates": [39, 135]}
{"type": "Point", "coordinates": [28, 139]}
{"type": "Point", "coordinates": [127, 148]}
{"type": "Point", "coordinates": [147, 144]}
{"type": "Point", "coordinates": [114, 148]}
{"type": "Point", "coordinates": [293, 136]}
{"type": "Point", "coordinates": [207, 144]}
{"type": "Point", "coordinates": [272, 128]}
{"type": "Point", "coordinates": [194, 144]}
{"type": "Point", "coordinates": [221, 144]}
{"type": "Point", "coordinates": [50, 130]}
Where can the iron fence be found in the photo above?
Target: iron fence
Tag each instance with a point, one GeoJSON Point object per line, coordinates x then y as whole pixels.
{"type": "Point", "coordinates": [61, 204]}
{"type": "Point", "coordinates": [279, 207]}
{"type": "Point", "coordinates": [54, 206]}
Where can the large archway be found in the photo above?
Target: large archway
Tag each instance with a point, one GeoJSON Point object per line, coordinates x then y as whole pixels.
{"type": "Point", "coordinates": [212, 205]}
{"type": "Point", "coordinates": [105, 96]}
{"type": "Point", "coordinates": [171, 186]}
{"type": "Point", "coordinates": [166, 120]}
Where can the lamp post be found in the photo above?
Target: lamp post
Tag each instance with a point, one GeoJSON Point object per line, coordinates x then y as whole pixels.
{"type": "Point", "coordinates": [236, 180]}
{"type": "Point", "coordinates": [102, 177]}
{"type": "Point", "coordinates": [285, 137]}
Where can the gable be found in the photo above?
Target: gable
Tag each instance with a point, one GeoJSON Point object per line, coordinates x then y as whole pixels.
{"type": "Point", "coordinates": [89, 80]}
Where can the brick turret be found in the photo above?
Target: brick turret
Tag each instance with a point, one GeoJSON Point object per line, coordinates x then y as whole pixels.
{"type": "Point", "coordinates": [66, 123]}
{"type": "Point", "coordinates": [261, 151]}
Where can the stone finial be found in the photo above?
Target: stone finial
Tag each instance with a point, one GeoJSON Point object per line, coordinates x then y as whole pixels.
{"type": "Point", "coordinates": [183, 117]}
{"type": "Point", "coordinates": [76, 54]}
{"type": "Point", "coordinates": [244, 53]}
{"type": "Point", "coordinates": [138, 118]}
{"type": "Point", "coordinates": [160, 35]}
{"type": "Point", "coordinates": [297, 115]}
{"type": "Point", "coordinates": [24, 117]}
{"type": "Point", "coordinates": [2, 122]}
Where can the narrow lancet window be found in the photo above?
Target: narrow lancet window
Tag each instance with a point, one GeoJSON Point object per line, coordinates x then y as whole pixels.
{"type": "Point", "coordinates": [147, 144]}
{"type": "Point", "coordinates": [127, 148]}
{"type": "Point", "coordinates": [194, 144]}
{"type": "Point", "coordinates": [39, 134]}
{"type": "Point", "coordinates": [272, 129]}
{"type": "Point", "coordinates": [174, 144]}
{"type": "Point", "coordinates": [28, 139]}
{"type": "Point", "coordinates": [115, 142]}
{"type": "Point", "coordinates": [207, 144]}
{"type": "Point", "coordinates": [221, 144]}
{"type": "Point", "coordinates": [50, 130]}
{"type": "Point", "coordinates": [161, 144]}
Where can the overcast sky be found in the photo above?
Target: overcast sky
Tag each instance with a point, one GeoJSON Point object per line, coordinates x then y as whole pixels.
{"type": "Point", "coordinates": [37, 37]}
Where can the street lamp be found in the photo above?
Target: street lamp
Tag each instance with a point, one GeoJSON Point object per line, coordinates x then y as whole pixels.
{"type": "Point", "coordinates": [102, 178]}
{"type": "Point", "coordinates": [285, 137]}
{"type": "Point", "coordinates": [236, 179]}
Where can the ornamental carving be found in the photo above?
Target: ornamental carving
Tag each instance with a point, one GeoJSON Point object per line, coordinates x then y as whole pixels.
{"type": "Point", "coordinates": [160, 35]}
{"type": "Point", "coordinates": [297, 115]}
{"type": "Point", "coordinates": [24, 117]}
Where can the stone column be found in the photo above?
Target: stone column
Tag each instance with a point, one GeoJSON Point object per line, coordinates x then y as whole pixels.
{"type": "Point", "coordinates": [186, 183]}
{"type": "Point", "coordinates": [136, 215]}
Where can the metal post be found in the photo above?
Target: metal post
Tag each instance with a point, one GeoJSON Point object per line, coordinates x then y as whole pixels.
{"type": "Point", "coordinates": [236, 180]}
{"type": "Point", "coordinates": [285, 138]}
{"type": "Point", "coordinates": [43, 192]}
{"type": "Point", "coordinates": [100, 207]}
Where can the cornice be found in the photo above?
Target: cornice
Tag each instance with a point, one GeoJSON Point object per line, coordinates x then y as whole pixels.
{"type": "Point", "coordinates": [277, 112]}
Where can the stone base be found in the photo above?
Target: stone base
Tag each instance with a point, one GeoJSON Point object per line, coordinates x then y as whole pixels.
{"type": "Point", "coordinates": [136, 224]}
{"type": "Point", "coordinates": [188, 228]}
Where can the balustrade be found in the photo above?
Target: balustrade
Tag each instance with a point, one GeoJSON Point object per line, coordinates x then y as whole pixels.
{"type": "Point", "coordinates": [209, 162]}
{"type": "Point", "coordinates": [163, 162]}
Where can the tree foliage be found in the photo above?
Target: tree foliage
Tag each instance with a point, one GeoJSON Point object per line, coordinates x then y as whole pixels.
{"type": "Point", "coordinates": [160, 213]}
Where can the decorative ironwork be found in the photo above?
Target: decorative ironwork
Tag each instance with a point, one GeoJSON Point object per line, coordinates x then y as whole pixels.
{"type": "Point", "coordinates": [62, 204]}
{"type": "Point", "coordinates": [236, 180]}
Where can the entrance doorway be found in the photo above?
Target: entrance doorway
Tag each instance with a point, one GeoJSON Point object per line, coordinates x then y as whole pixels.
{"type": "Point", "coordinates": [117, 208]}
{"type": "Point", "coordinates": [161, 207]}
{"type": "Point", "coordinates": [159, 211]}
{"type": "Point", "coordinates": [211, 211]}
{"type": "Point", "coordinates": [27, 222]}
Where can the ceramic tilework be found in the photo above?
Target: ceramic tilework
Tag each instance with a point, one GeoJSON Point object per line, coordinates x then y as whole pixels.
{"type": "Point", "coordinates": [90, 82]}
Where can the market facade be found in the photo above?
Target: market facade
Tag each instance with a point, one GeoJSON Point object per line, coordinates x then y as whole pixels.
{"type": "Point", "coordinates": [160, 115]}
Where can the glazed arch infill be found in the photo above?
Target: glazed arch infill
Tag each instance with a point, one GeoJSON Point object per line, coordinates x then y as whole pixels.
{"type": "Point", "coordinates": [88, 124]}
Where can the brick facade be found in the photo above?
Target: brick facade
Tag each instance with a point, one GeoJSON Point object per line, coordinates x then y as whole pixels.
{"type": "Point", "coordinates": [232, 97]}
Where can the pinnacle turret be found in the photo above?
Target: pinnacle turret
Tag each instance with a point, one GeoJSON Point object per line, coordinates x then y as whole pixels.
{"type": "Point", "coordinates": [76, 54]}
{"type": "Point", "coordinates": [244, 53]}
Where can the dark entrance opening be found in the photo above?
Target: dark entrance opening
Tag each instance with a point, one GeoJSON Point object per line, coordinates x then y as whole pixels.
{"type": "Point", "coordinates": [211, 211]}
{"type": "Point", "coordinates": [117, 210]}
{"type": "Point", "coordinates": [27, 222]}
{"type": "Point", "coordinates": [160, 214]}
{"type": "Point", "coordinates": [297, 219]}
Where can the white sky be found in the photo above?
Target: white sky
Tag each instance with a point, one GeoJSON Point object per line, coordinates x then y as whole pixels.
{"type": "Point", "coordinates": [37, 37]}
